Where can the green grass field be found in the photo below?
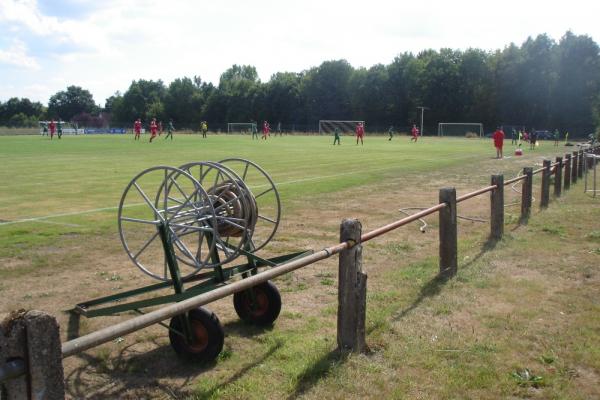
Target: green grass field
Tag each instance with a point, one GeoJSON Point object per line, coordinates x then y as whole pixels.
{"type": "Point", "coordinates": [520, 319]}
{"type": "Point", "coordinates": [85, 175]}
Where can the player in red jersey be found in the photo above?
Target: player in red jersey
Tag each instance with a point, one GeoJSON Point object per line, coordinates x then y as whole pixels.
{"type": "Point", "coordinates": [360, 133]}
{"type": "Point", "coordinates": [415, 133]}
{"type": "Point", "coordinates": [266, 130]}
{"type": "Point", "coordinates": [153, 128]}
{"type": "Point", "coordinates": [137, 129]}
{"type": "Point", "coordinates": [498, 141]}
{"type": "Point", "coordinates": [52, 128]}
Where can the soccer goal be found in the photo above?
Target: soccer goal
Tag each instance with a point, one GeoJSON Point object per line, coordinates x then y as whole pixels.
{"type": "Point", "coordinates": [241, 127]}
{"type": "Point", "coordinates": [460, 129]}
{"type": "Point", "coordinates": [329, 126]}
{"type": "Point", "coordinates": [67, 128]}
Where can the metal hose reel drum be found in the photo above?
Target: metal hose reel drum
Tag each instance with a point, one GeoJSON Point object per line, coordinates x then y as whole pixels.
{"type": "Point", "coordinates": [209, 210]}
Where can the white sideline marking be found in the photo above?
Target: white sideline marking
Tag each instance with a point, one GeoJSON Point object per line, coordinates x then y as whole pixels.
{"type": "Point", "coordinates": [291, 182]}
{"type": "Point", "coordinates": [18, 221]}
{"type": "Point", "coordinates": [60, 223]}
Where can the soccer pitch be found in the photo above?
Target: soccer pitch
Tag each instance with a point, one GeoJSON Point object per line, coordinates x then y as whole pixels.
{"type": "Point", "coordinates": [74, 185]}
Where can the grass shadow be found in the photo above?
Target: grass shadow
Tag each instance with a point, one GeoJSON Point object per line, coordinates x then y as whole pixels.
{"type": "Point", "coordinates": [73, 325]}
{"type": "Point", "coordinates": [207, 394]}
{"type": "Point", "coordinates": [430, 289]}
{"type": "Point", "coordinates": [132, 370]}
{"type": "Point", "coordinates": [131, 373]}
{"type": "Point", "coordinates": [244, 329]}
{"type": "Point", "coordinates": [317, 370]}
{"type": "Point", "coordinates": [435, 285]}
{"type": "Point", "coordinates": [489, 245]}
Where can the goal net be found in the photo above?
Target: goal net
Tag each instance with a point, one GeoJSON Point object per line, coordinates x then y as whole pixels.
{"type": "Point", "coordinates": [66, 127]}
{"type": "Point", "coordinates": [329, 126]}
{"type": "Point", "coordinates": [241, 127]}
{"type": "Point", "coordinates": [460, 129]}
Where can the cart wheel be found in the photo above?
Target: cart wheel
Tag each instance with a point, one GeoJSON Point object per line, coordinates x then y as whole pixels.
{"type": "Point", "coordinates": [264, 310]}
{"type": "Point", "coordinates": [207, 335]}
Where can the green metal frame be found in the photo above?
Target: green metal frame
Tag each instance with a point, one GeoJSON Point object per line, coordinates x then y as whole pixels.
{"type": "Point", "coordinates": [209, 280]}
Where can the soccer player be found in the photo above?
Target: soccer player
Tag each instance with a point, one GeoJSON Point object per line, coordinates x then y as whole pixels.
{"type": "Point", "coordinates": [391, 132]}
{"type": "Point", "coordinates": [137, 129]}
{"type": "Point", "coordinates": [170, 129]}
{"type": "Point", "coordinates": [513, 136]}
{"type": "Point", "coordinates": [266, 130]}
{"type": "Point", "coordinates": [204, 129]}
{"type": "Point", "coordinates": [153, 128]}
{"type": "Point", "coordinates": [360, 133]}
{"type": "Point", "coordinates": [532, 139]}
{"type": "Point", "coordinates": [254, 131]}
{"type": "Point", "coordinates": [59, 128]}
{"type": "Point", "coordinates": [279, 129]}
{"type": "Point", "coordinates": [498, 142]}
{"type": "Point", "coordinates": [566, 137]}
{"type": "Point", "coordinates": [415, 133]}
{"type": "Point", "coordinates": [336, 137]}
{"type": "Point", "coordinates": [556, 136]}
{"type": "Point", "coordinates": [44, 129]}
{"type": "Point", "coordinates": [52, 127]}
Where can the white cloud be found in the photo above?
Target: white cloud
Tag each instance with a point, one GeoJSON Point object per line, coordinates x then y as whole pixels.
{"type": "Point", "coordinates": [115, 42]}
{"type": "Point", "coordinates": [26, 13]}
{"type": "Point", "coordinates": [16, 54]}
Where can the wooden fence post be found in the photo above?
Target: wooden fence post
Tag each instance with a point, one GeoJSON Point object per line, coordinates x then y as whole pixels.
{"type": "Point", "coordinates": [352, 291]}
{"type": "Point", "coordinates": [567, 171]}
{"type": "Point", "coordinates": [526, 193]}
{"type": "Point", "coordinates": [545, 196]}
{"type": "Point", "coordinates": [31, 338]}
{"type": "Point", "coordinates": [497, 208]}
{"type": "Point", "coordinates": [558, 176]}
{"type": "Point", "coordinates": [448, 234]}
{"type": "Point", "coordinates": [574, 168]}
{"type": "Point", "coordinates": [580, 164]}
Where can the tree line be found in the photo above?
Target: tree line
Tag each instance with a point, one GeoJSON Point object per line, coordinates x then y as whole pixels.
{"type": "Point", "coordinates": [542, 83]}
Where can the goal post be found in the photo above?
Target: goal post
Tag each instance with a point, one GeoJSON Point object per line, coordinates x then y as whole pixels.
{"type": "Point", "coordinates": [68, 128]}
{"type": "Point", "coordinates": [460, 128]}
{"type": "Point", "coordinates": [241, 127]}
{"type": "Point", "coordinates": [329, 126]}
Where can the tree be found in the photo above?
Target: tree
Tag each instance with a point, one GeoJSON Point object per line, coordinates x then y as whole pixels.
{"type": "Point", "coordinates": [404, 76]}
{"type": "Point", "coordinates": [537, 79]}
{"type": "Point", "coordinates": [184, 101]}
{"type": "Point", "coordinates": [283, 99]}
{"type": "Point", "coordinates": [30, 110]}
{"type": "Point", "coordinates": [476, 80]}
{"type": "Point", "coordinates": [577, 90]}
{"type": "Point", "coordinates": [68, 103]}
{"type": "Point", "coordinates": [136, 101]}
{"type": "Point", "coordinates": [440, 84]}
{"type": "Point", "coordinates": [239, 89]}
{"type": "Point", "coordinates": [326, 91]}
{"type": "Point", "coordinates": [371, 96]}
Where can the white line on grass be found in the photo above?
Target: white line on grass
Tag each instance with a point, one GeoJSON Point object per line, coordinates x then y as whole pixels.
{"type": "Point", "coordinates": [43, 221]}
{"type": "Point", "coordinates": [290, 182]}
{"type": "Point", "coordinates": [18, 221]}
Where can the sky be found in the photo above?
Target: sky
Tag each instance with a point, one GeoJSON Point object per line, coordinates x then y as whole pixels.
{"type": "Point", "coordinates": [103, 45]}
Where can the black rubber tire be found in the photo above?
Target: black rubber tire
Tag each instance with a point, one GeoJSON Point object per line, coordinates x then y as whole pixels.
{"type": "Point", "coordinates": [268, 306]}
{"type": "Point", "coordinates": [208, 336]}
